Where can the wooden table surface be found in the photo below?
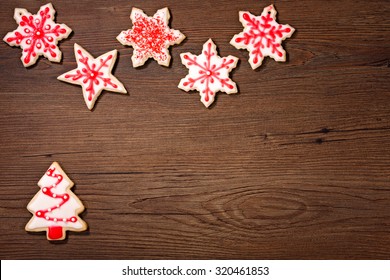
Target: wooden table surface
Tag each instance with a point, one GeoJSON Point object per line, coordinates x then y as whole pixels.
{"type": "Point", "coordinates": [295, 166]}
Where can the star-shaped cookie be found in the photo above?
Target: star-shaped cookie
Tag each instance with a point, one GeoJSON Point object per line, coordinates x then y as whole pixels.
{"type": "Point", "coordinates": [37, 35]}
{"type": "Point", "coordinates": [208, 73]}
{"type": "Point", "coordinates": [150, 37]}
{"type": "Point", "coordinates": [262, 36]}
{"type": "Point", "coordinates": [93, 75]}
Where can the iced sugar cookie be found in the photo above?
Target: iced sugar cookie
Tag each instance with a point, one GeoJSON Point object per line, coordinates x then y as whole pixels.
{"type": "Point", "coordinates": [150, 37]}
{"type": "Point", "coordinates": [208, 73]}
{"type": "Point", "coordinates": [55, 207]}
{"type": "Point", "coordinates": [93, 75]}
{"type": "Point", "coordinates": [262, 36]}
{"type": "Point", "coordinates": [37, 35]}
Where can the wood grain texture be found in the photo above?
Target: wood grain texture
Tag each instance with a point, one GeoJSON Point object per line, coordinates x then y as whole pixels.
{"type": "Point", "coordinates": [295, 166]}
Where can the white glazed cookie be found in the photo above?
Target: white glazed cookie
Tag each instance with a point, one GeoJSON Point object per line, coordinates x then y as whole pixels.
{"type": "Point", "coordinates": [37, 35]}
{"type": "Point", "coordinates": [262, 36]}
{"type": "Point", "coordinates": [208, 73]}
{"type": "Point", "coordinates": [93, 75]}
{"type": "Point", "coordinates": [150, 37]}
{"type": "Point", "coordinates": [55, 207]}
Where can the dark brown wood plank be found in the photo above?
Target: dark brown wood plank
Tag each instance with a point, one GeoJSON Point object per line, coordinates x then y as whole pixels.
{"type": "Point", "coordinates": [295, 166]}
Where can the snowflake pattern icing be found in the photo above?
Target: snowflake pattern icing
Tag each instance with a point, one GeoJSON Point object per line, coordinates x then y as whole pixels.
{"type": "Point", "coordinates": [94, 75]}
{"type": "Point", "coordinates": [150, 37]}
{"type": "Point", "coordinates": [37, 35]}
{"type": "Point", "coordinates": [262, 36]}
{"type": "Point", "coordinates": [208, 73]}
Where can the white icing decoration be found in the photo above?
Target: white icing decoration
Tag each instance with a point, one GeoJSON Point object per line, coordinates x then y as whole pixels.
{"type": "Point", "coordinates": [209, 72]}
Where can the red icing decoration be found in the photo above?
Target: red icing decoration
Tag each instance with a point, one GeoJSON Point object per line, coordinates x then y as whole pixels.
{"type": "Point", "coordinates": [263, 36]}
{"type": "Point", "coordinates": [63, 199]}
{"type": "Point", "coordinates": [55, 232]}
{"type": "Point", "coordinates": [208, 72]}
{"type": "Point", "coordinates": [91, 74]}
{"type": "Point", "coordinates": [151, 36]}
{"type": "Point", "coordinates": [38, 34]}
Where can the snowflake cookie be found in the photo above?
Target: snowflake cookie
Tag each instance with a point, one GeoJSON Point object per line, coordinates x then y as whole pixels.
{"type": "Point", "coordinates": [262, 36]}
{"type": "Point", "coordinates": [37, 35]}
{"type": "Point", "coordinates": [93, 75]}
{"type": "Point", "coordinates": [55, 207]}
{"type": "Point", "coordinates": [208, 73]}
{"type": "Point", "coordinates": [150, 37]}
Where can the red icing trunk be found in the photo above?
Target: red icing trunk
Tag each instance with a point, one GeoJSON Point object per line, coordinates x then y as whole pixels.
{"type": "Point", "coordinates": [55, 233]}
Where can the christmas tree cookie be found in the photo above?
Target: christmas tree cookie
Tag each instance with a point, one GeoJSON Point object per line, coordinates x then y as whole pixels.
{"type": "Point", "coordinates": [93, 75]}
{"type": "Point", "coordinates": [208, 73]}
{"type": "Point", "coordinates": [37, 35]}
{"type": "Point", "coordinates": [262, 36]}
{"type": "Point", "coordinates": [150, 37]}
{"type": "Point", "coordinates": [55, 207]}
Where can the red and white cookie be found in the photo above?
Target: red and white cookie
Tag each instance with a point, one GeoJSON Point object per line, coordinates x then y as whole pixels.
{"type": "Point", "coordinates": [37, 35]}
{"type": "Point", "coordinates": [55, 207]}
{"type": "Point", "coordinates": [93, 75]}
{"type": "Point", "coordinates": [150, 37]}
{"type": "Point", "coordinates": [262, 36]}
{"type": "Point", "coordinates": [208, 73]}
